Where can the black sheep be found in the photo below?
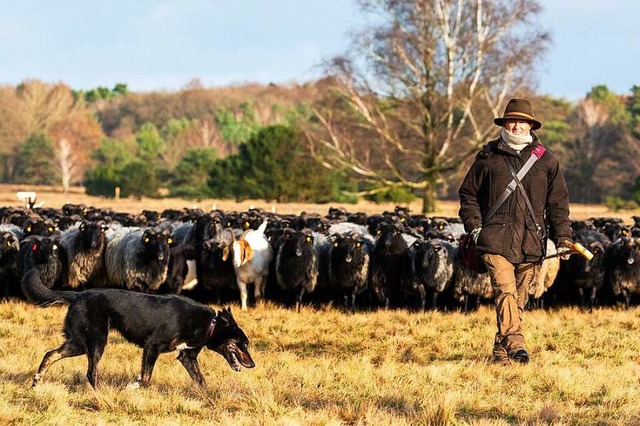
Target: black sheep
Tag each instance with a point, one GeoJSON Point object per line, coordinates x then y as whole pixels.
{"type": "Point", "coordinates": [85, 246]}
{"type": "Point", "coordinates": [434, 263]}
{"type": "Point", "coordinates": [468, 287]}
{"type": "Point", "coordinates": [582, 278]}
{"type": "Point", "coordinates": [137, 259]}
{"type": "Point", "coordinates": [391, 266]}
{"type": "Point", "coordinates": [178, 269]}
{"type": "Point", "coordinates": [623, 268]}
{"type": "Point", "coordinates": [214, 269]}
{"type": "Point", "coordinates": [297, 264]}
{"type": "Point", "coordinates": [48, 256]}
{"type": "Point", "coordinates": [36, 225]}
{"type": "Point", "coordinates": [10, 269]}
{"type": "Point", "coordinates": [349, 261]}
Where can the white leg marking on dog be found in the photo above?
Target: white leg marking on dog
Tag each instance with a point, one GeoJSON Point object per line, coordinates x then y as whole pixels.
{"type": "Point", "coordinates": [182, 346]}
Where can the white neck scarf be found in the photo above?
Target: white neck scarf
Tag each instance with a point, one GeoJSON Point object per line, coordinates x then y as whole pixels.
{"type": "Point", "coordinates": [516, 142]}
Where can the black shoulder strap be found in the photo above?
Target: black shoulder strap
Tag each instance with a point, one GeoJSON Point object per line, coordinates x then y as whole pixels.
{"type": "Point", "coordinates": [539, 230]}
{"type": "Point", "coordinates": [537, 153]}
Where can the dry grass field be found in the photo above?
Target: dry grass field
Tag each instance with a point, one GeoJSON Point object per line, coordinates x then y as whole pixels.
{"type": "Point", "coordinates": [324, 367]}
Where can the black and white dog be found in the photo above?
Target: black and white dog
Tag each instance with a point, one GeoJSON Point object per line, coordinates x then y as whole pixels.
{"type": "Point", "coordinates": [156, 323]}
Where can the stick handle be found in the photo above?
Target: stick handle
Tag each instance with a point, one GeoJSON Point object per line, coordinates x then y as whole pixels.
{"type": "Point", "coordinates": [583, 251]}
{"type": "Point", "coordinates": [576, 248]}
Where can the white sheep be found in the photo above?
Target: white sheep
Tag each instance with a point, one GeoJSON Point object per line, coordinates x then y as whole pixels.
{"type": "Point", "coordinates": [252, 254]}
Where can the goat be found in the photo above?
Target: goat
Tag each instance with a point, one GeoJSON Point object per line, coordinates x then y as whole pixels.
{"type": "Point", "coordinates": [251, 257]}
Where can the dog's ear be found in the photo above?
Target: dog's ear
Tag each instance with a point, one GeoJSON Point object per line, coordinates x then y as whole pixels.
{"type": "Point", "coordinates": [226, 316]}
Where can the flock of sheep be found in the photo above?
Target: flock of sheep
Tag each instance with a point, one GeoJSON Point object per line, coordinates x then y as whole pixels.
{"type": "Point", "coordinates": [355, 260]}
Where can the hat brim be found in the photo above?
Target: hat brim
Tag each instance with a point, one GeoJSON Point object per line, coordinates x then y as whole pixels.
{"type": "Point", "coordinates": [535, 124]}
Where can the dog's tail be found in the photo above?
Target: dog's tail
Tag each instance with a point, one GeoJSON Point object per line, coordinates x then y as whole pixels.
{"type": "Point", "coordinates": [38, 293]}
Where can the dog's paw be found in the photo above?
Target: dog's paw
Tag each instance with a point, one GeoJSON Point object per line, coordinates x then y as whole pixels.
{"type": "Point", "coordinates": [135, 384]}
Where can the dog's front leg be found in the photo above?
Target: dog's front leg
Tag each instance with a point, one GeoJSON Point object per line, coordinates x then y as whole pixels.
{"type": "Point", "coordinates": [149, 358]}
{"type": "Point", "coordinates": [189, 358]}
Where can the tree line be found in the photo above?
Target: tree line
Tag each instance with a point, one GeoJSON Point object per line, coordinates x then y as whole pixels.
{"type": "Point", "coordinates": [399, 116]}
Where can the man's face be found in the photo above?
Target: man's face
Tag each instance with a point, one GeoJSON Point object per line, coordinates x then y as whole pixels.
{"type": "Point", "coordinates": [518, 127]}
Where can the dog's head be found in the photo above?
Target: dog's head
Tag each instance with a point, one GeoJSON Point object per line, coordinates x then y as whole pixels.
{"type": "Point", "coordinates": [228, 339]}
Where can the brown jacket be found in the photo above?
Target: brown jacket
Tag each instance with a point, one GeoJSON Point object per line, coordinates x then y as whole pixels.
{"type": "Point", "coordinates": [511, 232]}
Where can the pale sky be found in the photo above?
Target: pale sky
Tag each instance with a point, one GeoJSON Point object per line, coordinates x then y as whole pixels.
{"type": "Point", "coordinates": [163, 44]}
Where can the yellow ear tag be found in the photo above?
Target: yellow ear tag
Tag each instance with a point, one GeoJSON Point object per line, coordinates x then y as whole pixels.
{"type": "Point", "coordinates": [358, 244]}
{"type": "Point", "coordinates": [146, 240]}
{"type": "Point", "coordinates": [169, 240]}
{"type": "Point", "coordinates": [335, 244]}
{"type": "Point", "coordinates": [308, 239]}
{"type": "Point", "coordinates": [28, 229]}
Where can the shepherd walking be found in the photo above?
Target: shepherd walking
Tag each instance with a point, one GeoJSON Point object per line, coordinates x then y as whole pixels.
{"type": "Point", "coordinates": [512, 199]}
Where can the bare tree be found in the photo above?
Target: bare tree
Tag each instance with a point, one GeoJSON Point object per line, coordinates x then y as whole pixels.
{"type": "Point", "coordinates": [65, 162]}
{"type": "Point", "coordinates": [417, 93]}
{"type": "Point", "coordinates": [74, 137]}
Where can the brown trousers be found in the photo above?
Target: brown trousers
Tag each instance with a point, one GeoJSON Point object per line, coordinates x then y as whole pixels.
{"type": "Point", "coordinates": [511, 289]}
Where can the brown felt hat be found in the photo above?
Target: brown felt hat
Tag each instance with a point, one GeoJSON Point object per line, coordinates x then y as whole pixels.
{"type": "Point", "coordinates": [518, 109]}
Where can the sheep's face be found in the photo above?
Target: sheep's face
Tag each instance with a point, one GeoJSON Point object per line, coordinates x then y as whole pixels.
{"type": "Point", "coordinates": [38, 226]}
{"type": "Point", "coordinates": [155, 246]}
{"type": "Point", "coordinates": [8, 244]}
{"type": "Point", "coordinates": [296, 243]}
{"type": "Point", "coordinates": [44, 250]}
{"type": "Point", "coordinates": [93, 234]}
{"type": "Point", "coordinates": [347, 250]}
{"type": "Point", "coordinates": [390, 239]}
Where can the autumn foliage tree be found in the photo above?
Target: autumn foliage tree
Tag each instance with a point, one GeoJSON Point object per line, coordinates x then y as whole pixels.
{"type": "Point", "coordinates": [53, 112]}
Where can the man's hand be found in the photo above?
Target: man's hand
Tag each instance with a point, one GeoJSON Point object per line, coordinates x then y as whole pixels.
{"type": "Point", "coordinates": [565, 246]}
{"type": "Point", "coordinates": [475, 233]}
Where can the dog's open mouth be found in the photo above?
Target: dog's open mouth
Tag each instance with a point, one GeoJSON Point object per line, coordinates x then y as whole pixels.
{"type": "Point", "coordinates": [238, 358]}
